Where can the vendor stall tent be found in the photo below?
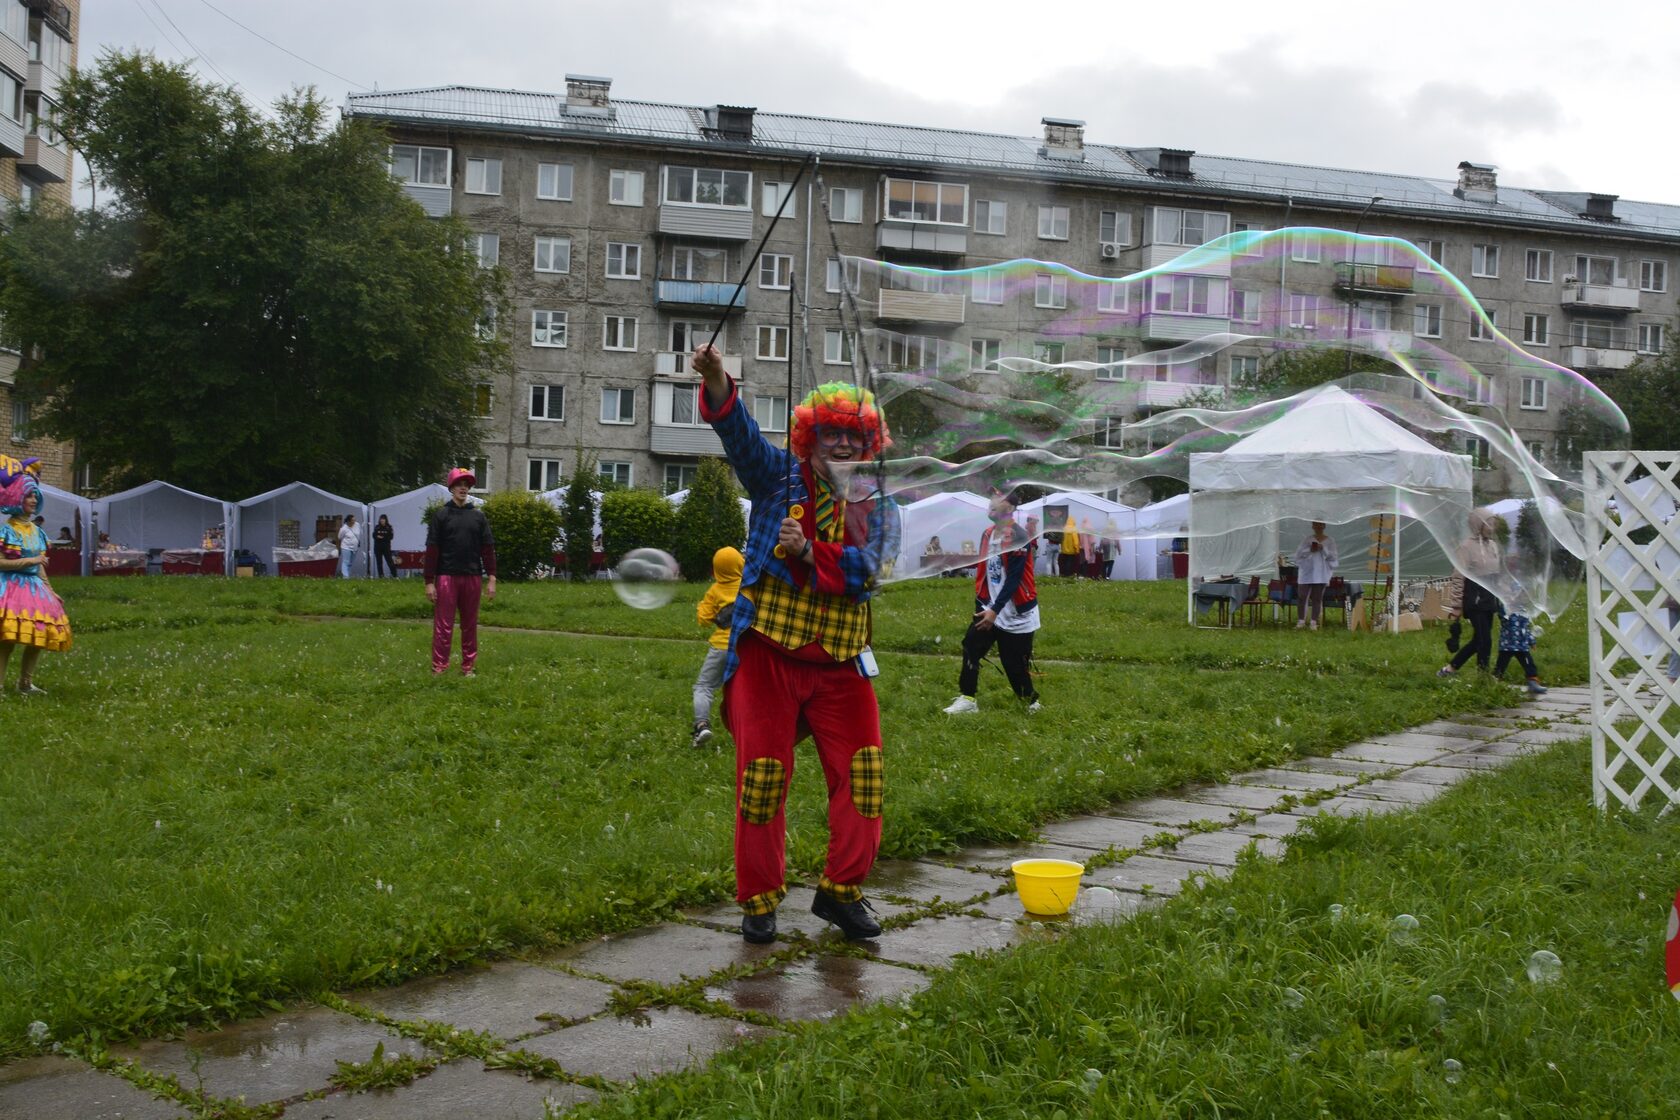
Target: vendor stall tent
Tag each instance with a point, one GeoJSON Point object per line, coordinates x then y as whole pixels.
{"type": "Point", "coordinates": [301, 507]}
{"type": "Point", "coordinates": [63, 508]}
{"type": "Point", "coordinates": [158, 515]}
{"type": "Point", "coordinates": [677, 497]}
{"type": "Point", "coordinates": [1330, 458]}
{"type": "Point", "coordinates": [1091, 513]}
{"type": "Point", "coordinates": [955, 521]}
{"type": "Point", "coordinates": [1155, 527]}
{"type": "Point", "coordinates": [407, 512]}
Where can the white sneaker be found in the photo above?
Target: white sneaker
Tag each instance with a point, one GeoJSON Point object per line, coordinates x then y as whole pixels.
{"type": "Point", "coordinates": [962, 705]}
{"type": "Point", "coordinates": [1312, 626]}
{"type": "Point", "coordinates": [1035, 706]}
{"type": "Point", "coordinates": [1301, 624]}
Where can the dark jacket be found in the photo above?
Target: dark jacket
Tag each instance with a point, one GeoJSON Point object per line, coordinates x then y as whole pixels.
{"type": "Point", "coordinates": [458, 543]}
{"type": "Point", "coordinates": [382, 535]}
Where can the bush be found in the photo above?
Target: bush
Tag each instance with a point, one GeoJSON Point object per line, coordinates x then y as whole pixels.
{"type": "Point", "coordinates": [709, 519]}
{"type": "Point", "coordinates": [577, 519]}
{"type": "Point", "coordinates": [633, 519]}
{"type": "Point", "coordinates": [526, 529]}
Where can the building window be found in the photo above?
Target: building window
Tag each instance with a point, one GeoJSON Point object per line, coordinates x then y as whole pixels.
{"type": "Point", "coordinates": [1536, 448]}
{"type": "Point", "coordinates": [680, 476]}
{"type": "Point", "coordinates": [488, 248]}
{"type": "Point", "coordinates": [1537, 266]}
{"type": "Point", "coordinates": [1650, 338]}
{"type": "Point", "coordinates": [618, 332]}
{"type": "Point", "coordinates": [1484, 260]}
{"type": "Point", "coordinates": [769, 413]}
{"type": "Point", "coordinates": [486, 325]}
{"type": "Point", "coordinates": [845, 204]}
{"type": "Point", "coordinates": [484, 176]}
{"type": "Point", "coordinates": [686, 336]}
{"type": "Point", "coordinates": [916, 200]}
{"type": "Point", "coordinates": [838, 347]}
{"type": "Point", "coordinates": [553, 254]}
{"type": "Point", "coordinates": [481, 473]}
{"type": "Point", "coordinates": [20, 421]}
{"type": "Point", "coordinates": [1304, 247]}
{"type": "Point", "coordinates": [915, 351]}
{"type": "Point", "coordinates": [1481, 456]}
{"type": "Point", "coordinates": [1480, 389]}
{"type": "Point", "coordinates": [983, 354]}
{"type": "Point", "coordinates": [774, 193]}
{"type": "Point", "coordinates": [624, 260]}
{"type": "Point", "coordinates": [1114, 227]}
{"type": "Point", "coordinates": [1245, 369]}
{"type": "Point", "coordinates": [1480, 330]}
{"type": "Point", "coordinates": [773, 344]}
{"type": "Point", "coordinates": [1053, 223]}
{"type": "Point", "coordinates": [1251, 247]}
{"type": "Point", "coordinates": [1537, 330]}
{"type": "Point", "coordinates": [548, 328]}
{"type": "Point", "coordinates": [618, 406]}
{"type": "Point", "coordinates": [1599, 333]}
{"type": "Point", "coordinates": [1426, 320]}
{"type": "Point", "coordinates": [615, 471]}
{"type": "Point", "coordinates": [1595, 270]}
{"type": "Point", "coordinates": [1189, 227]}
{"type": "Point", "coordinates": [775, 271]}
{"type": "Point", "coordinates": [554, 181]}
{"type": "Point", "coordinates": [420, 167]}
{"type": "Point", "coordinates": [1245, 305]}
{"type": "Point", "coordinates": [990, 216]}
{"type": "Point", "coordinates": [988, 286]}
{"type": "Point", "coordinates": [548, 402]}
{"type": "Point", "coordinates": [1653, 276]}
{"type": "Point", "coordinates": [708, 186]}
{"type": "Point", "coordinates": [1190, 295]}
{"type": "Point", "coordinates": [484, 399]}
{"type": "Point", "coordinates": [1434, 252]}
{"type": "Point", "coordinates": [1533, 393]}
{"type": "Point", "coordinates": [1371, 316]}
{"type": "Point", "coordinates": [676, 404]}
{"type": "Point", "coordinates": [1303, 311]}
{"type": "Point", "coordinates": [1049, 290]}
{"type": "Point", "coordinates": [1111, 296]}
{"type": "Point", "coordinates": [542, 475]}
{"type": "Point", "coordinates": [624, 188]}
{"type": "Point", "coordinates": [842, 270]}
{"type": "Point", "coordinates": [1109, 363]}
{"type": "Point", "coordinates": [1110, 431]}
{"type": "Point", "coordinates": [1050, 353]}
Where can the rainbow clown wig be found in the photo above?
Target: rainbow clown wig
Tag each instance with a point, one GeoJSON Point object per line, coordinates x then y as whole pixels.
{"type": "Point", "coordinates": [17, 481]}
{"type": "Point", "coordinates": [838, 404]}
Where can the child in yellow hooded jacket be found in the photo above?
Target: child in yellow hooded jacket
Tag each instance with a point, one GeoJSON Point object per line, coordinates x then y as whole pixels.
{"type": "Point", "coordinates": [716, 610]}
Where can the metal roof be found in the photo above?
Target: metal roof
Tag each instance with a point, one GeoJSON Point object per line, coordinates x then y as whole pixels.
{"type": "Point", "coordinates": [470, 107]}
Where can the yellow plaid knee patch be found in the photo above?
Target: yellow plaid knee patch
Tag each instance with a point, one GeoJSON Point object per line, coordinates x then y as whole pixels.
{"type": "Point", "coordinates": [867, 782]}
{"type": "Point", "coordinates": [765, 903]}
{"type": "Point", "coordinates": [761, 790]}
{"type": "Point", "coordinates": [840, 892]}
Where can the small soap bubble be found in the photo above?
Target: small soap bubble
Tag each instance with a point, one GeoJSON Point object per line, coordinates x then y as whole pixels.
{"type": "Point", "coordinates": [39, 1033]}
{"type": "Point", "coordinates": [1093, 1078]}
{"type": "Point", "coordinates": [1402, 928]}
{"type": "Point", "coordinates": [646, 578]}
{"type": "Point", "coordinates": [1438, 1004]}
{"type": "Point", "coordinates": [1336, 910]}
{"type": "Point", "coordinates": [1293, 999]}
{"type": "Point", "coordinates": [1231, 913]}
{"type": "Point", "coordinates": [1452, 1069]}
{"type": "Point", "coordinates": [1544, 966]}
{"type": "Point", "coordinates": [1098, 904]}
{"type": "Point", "coordinates": [608, 831]}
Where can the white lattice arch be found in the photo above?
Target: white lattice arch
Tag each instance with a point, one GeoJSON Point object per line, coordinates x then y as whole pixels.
{"type": "Point", "coordinates": [1629, 624]}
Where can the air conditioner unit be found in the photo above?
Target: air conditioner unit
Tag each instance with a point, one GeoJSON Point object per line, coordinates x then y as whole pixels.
{"type": "Point", "coordinates": [1110, 250]}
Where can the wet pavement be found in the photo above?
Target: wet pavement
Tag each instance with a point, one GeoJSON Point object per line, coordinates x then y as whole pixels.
{"type": "Point", "coordinates": [572, 1025]}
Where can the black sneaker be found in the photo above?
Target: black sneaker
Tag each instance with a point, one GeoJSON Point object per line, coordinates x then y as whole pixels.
{"type": "Point", "coordinates": [760, 929]}
{"type": "Point", "coordinates": [702, 734]}
{"type": "Point", "coordinates": [853, 918]}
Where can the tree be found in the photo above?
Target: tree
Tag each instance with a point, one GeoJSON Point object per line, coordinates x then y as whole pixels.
{"type": "Point", "coordinates": [258, 303]}
{"type": "Point", "coordinates": [709, 519]}
{"type": "Point", "coordinates": [632, 519]}
{"type": "Point", "coordinates": [577, 518]}
{"type": "Point", "coordinates": [526, 528]}
{"type": "Point", "coordinates": [1648, 393]}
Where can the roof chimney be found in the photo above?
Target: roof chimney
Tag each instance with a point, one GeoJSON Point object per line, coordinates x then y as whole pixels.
{"type": "Point", "coordinates": [1478, 182]}
{"type": "Point", "coordinates": [731, 122]}
{"type": "Point", "coordinates": [1601, 207]}
{"type": "Point", "coordinates": [1063, 138]}
{"type": "Point", "coordinates": [588, 97]}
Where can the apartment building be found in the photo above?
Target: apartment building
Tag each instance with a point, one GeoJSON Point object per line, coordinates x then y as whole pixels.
{"type": "Point", "coordinates": [37, 51]}
{"type": "Point", "coordinates": [625, 225]}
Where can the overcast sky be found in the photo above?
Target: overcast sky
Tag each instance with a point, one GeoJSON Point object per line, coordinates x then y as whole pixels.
{"type": "Point", "coordinates": [1562, 95]}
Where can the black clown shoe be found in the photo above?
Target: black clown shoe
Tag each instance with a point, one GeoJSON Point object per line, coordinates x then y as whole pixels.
{"type": "Point", "coordinates": [759, 929]}
{"type": "Point", "coordinates": [853, 918]}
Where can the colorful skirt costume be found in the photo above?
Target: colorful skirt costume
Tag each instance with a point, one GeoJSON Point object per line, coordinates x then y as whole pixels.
{"type": "Point", "coordinates": [30, 613]}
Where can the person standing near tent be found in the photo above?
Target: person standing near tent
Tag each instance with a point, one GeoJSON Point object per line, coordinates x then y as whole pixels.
{"type": "Point", "coordinates": [1315, 563]}
{"type": "Point", "coordinates": [31, 614]}
{"type": "Point", "coordinates": [799, 660]}
{"type": "Point", "coordinates": [349, 542]}
{"type": "Point", "coordinates": [1476, 562]}
{"type": "Point", "coordinates": [382, 558]}
{"type": "Point", "coordinates": [1006, 601]}
{"type": "Point", "coordinates": [1071, 554]}
{"type": "Point", "coordinates": [460, 568]}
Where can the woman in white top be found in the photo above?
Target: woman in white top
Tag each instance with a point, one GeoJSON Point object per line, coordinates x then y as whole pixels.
{"type": "Point", "coordinates": [349, 542]}
{"type": "Point", "coordinates": [1315, 562]}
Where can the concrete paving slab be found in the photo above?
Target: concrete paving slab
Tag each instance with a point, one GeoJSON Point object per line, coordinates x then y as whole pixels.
{"type": "Point", "coordinates": [658, 1041]}
{"type": "Point", "coordinates": [1453, 729]}
{"type": "Point", "coordinates": [1392, 789]}
{"type": "Point", "coordinates": [920, 881]}
{"type": "Point", "coordinates": [794, 915]}
{"type": "Point", "coordinates": [503, 999]}
{"type": "Point", "coordinates": [1256, 799]}
{"type": "Point", "coordinates": [935, 942]}
{"type": "Point", "coordinates": [819, 987]}
{"type": "Point", "coordinates": [1150, 875]}
{"type": "Point", "coordinates": [281, 1055]}
{"type": "Point", "coordinates": [1392, 750]}
{"type": "Point", "coordinates": [1348, 807]}
{"type": "Point", "coordinates": [1472, 760]}
{"type": "Point", "coordinates": [1336, 765]}
{"type": "Point", "coordinates": [54, 1088]}
{"type": "Point", "coordinates": [998, 860]}
{"type": "Point", "coordinates": [462, 1088]}
{"type": "Point", "coordinates": [1435, 775]}
{"type": "Point", "coordinates": [1008, 907]}
{"type": "Point", "coordinates": [1097, 833]}
{"type": "Point", "coordinates": [666, 954]}
{"type": "Point", "coordinates": [1294, 781]}
{"type": "Point", "coordinates": [1218, 848]}
{"type": "Point", "coordinates": [1175, 813]}
{"type": "Point", "coordinates": [1273, 825]}
{"type": "Point", "coordinates": [1548, 736]}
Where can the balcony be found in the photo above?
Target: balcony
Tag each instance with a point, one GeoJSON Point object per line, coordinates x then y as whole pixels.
{"type": "Point", "coordinates": [1366, 279]}
{"type": "Point", "coordinates": [712, 295]}
{"type": "Point", "coordinates": [1202, 262]}
{"type": "Point", "coordinates": [55, 12]}
{"type": "Point", "coordinates": [1620, 298]}
{"type": "Point", "coordinates": [43, 161]}
{"type": "Point", "coordinates": [684, 439]}
{"type": "Point", "coordinates": [1162, 327]}
{"type": "Point", "coordinates": [725, 223]}
{"type": "Point", "coordinates": [11, 135]}
{"type": "Point", "coordinates": [668, 363]}
{"type": "Point", "coordinates": [43, 82]}
{"type": "Point", "coordinates": [1170, 394]}
{"type": "Point", "coordinates": [1599, 357]}
{"type": "Point", "coordinates": [922, 307]}
{"type": "Point", "coordinates": [437, 202]}
{"type": "Point", "coordinates": [922, 237]}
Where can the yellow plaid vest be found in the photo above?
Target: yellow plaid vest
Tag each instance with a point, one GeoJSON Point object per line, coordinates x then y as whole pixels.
{"type": "Point", "coordinates": [793, 617]}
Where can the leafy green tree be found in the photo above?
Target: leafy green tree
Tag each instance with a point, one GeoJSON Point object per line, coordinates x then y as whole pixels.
{"type": "Point", "coordinates": [1648, 393]}
{"type": "Point", "coordinates": [577, 516]}
{"type": "Point", "coordinates": [632, 519]}
{"type": "Point", "coordinates": [709, 519]}
{"type": "Point", "coordinates": [255, 301]}
{"type": "Point", "coordinates": [527, 530]}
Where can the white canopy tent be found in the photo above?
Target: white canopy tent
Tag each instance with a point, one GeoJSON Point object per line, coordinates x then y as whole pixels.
{"type": "Point", "coordinates": [158, 515]}
{"type": "Point", "coordinates": [1156, 525]}
{"type": "Point", "coordinates": [407, 513]}
{"type": "Point", "coordinates": [261, 517]}
{"type": "Point", "coordinates": [956, 519]}
{"type": "Point", "coordinates": [677, 497]}
{"type": "Point", "coordinates": [1331, 458]}
{"type": "Point", "coordinates": [557, 498]}
{"type": "Point", "coordinates": [62, 508]}
{"type": "Point", "coordinates": [1093, 514]}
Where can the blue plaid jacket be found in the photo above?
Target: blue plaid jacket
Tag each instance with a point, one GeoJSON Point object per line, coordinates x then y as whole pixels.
{"type": "Point", "coordinates": [774, 482]}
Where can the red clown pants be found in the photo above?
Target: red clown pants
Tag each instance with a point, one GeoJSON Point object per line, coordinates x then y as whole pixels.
{"type": "Point", "coordinates": [769, 702]}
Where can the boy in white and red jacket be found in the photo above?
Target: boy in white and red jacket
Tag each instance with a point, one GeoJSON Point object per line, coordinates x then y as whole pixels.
{"type": "Point", "coordinates": [1006, 598]}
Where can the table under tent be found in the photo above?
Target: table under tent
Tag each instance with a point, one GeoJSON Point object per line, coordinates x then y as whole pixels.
{"type": "Point", "coordinates": [158, 526]}
{"type": "Point", "coordinates": [294, 528]}
{"type": "Point", "coordinates": [1093, 515]}
{"type": "Point", "coordinates": [1335, 459]}
{"type": "Point", "coordinates": [940, 533]}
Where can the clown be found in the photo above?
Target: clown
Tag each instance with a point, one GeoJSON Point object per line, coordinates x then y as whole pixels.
{"type": "Point", "coordinates": [31, 614]}
{"type": "Point", "coordinates": [798, 660]}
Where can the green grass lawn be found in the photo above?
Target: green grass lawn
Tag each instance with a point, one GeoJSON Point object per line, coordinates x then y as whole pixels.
{"type": "Point", "coordinates": [224, 803]}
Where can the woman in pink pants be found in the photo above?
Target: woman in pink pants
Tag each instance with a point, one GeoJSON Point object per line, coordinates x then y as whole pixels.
{"type": "Point", "coordinates": [460, 558]}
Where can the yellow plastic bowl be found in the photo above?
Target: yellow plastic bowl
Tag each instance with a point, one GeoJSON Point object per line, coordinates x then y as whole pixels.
{"type": "Point", "coordinates": [1047, 886]}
